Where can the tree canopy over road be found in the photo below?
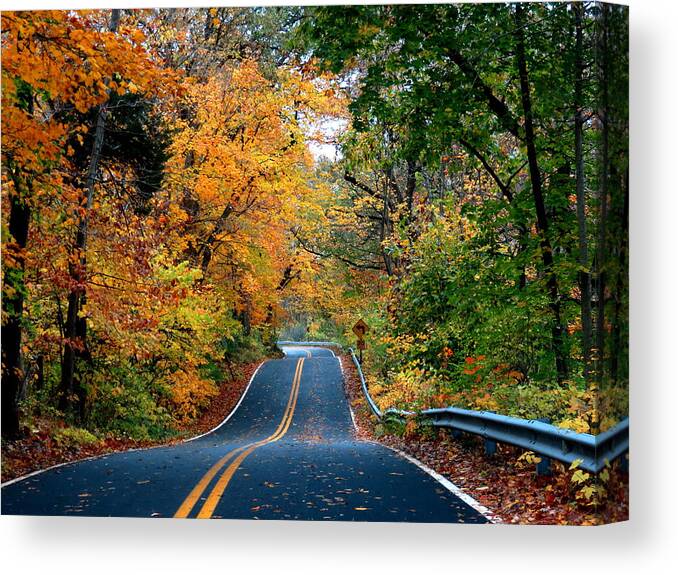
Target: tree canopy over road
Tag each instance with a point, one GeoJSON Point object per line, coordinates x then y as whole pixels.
{"type": "Point", "coordinates": [169, 209]}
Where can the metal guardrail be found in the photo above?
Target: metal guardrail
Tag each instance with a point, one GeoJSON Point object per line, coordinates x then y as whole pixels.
{"type": "Point", "coordinates": [363, 383]}
{"type": "Point", "coordinates": [544, 439]}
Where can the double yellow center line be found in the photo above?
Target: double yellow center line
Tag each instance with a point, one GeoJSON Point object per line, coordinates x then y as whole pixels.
{"type": "Point", "coordinates": [239, 454]}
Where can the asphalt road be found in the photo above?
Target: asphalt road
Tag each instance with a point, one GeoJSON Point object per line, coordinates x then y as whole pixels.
{"type": "Point", "coordinates": [286, 452]}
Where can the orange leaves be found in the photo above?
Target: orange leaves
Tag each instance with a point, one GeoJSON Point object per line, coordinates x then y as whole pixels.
{"type": "Point", "coordinates": [240, 160]}
{"type": "Point", "coordinates": [190, 394]}
{"type": "Point", "coordinates": [57, 59]}
{"type": "Point", "coordinates": [168, 262]}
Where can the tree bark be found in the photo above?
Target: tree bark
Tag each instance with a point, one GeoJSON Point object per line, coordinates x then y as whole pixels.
{"type": "Point", "coordinates": [75, 327]}
{"type": "Point", "coordinates": [206, 249]}
{"type": "Point", "coordinates": [384, 227]}
{"type": "Point", "coordinates": [12, 309]}
{"type": "Point", "coordinates": [557, 330]}
{"type": "Point", "coordinates": [14, 289]}
{"type": "Point", "coordinates": [583, 257]}
{"type": "Point", "coordinates": [601, 248]}
{"type": "Point", "coordinates": [617, 353]}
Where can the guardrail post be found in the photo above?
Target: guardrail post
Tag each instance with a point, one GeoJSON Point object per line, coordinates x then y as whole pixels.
{"type": "Point", "coordinates": [624, 463]}
{"type": "Point", "coordinates": [490, 447]}
{"type": "Point", "coordinates": [456, 433]}
{"type": "Point", "coordinates": [544, 466]}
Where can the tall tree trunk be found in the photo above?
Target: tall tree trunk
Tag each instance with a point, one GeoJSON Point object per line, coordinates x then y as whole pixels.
{"type": "Point", "coordinates": [13, 306]}
{"type": "Point", "coordinates": [617, 352]}
{"type": "Point", "coordinates": [614, 102]}
{"type": "Point", "coordinates": [205, 252]}
{"type": "Point", "coordinates": [601, 249]}
{"type": "Point", "coordinates": [411, 187]}
{"type": "Point", "coordinates": [384, 228]}
{"type": "Point", "coordinates": [13, 294]}
{"type": "Point", "coordinates": [75, 328]}
{"type": "Point", "coordinates": [583, 258]}
{"type": "Point", "coordinates": [246, 317]}
{"type": "Point", "coordinates": [557, 331]}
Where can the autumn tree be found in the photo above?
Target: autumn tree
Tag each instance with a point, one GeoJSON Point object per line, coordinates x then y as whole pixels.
{"type": "Point", "coordinates": [491, 112]}
{"type": "Point", "coordinates": [44, 72]}
{"type": "Point", "coordinates": [160, 195]}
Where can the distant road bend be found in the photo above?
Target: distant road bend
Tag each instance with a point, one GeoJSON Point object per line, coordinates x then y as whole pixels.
{"type": "Point", "coordinates": [286, 452]}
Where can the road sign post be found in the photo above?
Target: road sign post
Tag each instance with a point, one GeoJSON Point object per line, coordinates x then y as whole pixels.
{"type": "Point", "coordinates": [361, 346]}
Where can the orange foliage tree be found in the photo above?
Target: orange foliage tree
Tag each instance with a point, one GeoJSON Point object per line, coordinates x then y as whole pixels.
{"type": "Point", "coordinates": [147, 215]}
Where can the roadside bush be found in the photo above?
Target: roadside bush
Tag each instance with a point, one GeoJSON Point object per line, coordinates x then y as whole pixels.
{"type": "Point", "coordinates": [71, 437]}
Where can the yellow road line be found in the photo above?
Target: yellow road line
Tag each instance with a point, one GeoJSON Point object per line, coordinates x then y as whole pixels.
{"type": "Point", "coordinates": [195, 494]}
{"type": "Point", "coordinates": [221, 485]}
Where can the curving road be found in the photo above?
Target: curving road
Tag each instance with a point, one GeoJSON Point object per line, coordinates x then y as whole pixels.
{"type": "Point", "coordinates": [286, 452]}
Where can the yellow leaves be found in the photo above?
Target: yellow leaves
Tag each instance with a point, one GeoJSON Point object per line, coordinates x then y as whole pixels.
{"type": "Point", "coordinates": [578, 424]}
{"type": "Point", "coordinates": [589, 489]}
{"type": "Point", "coordinates": [411, 427]}
{"type": "Point", "coordinates": [368, 30]}
{"type": "Point", "coordinates": [190, 393]}
{"type": "Point", "coordinates": [243, 158]}
{"type": "Point", "coordinates": [529, 458]}
{"type": "Point", "coordinates": [579, 477]}
{"type": "Point", "coordinates": [592, 494]}
{"type": "Point", "coordinates": [486, 403]}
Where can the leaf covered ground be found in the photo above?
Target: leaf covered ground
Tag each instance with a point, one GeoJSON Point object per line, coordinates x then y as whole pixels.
{"type": "Point", "coordinates": [507, 485]}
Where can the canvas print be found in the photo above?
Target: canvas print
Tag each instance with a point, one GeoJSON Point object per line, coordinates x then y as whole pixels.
{"type": "Point", "coordinates": [343, 263]}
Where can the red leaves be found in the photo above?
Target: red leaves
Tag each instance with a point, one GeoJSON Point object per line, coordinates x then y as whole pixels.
{"type": "Point", "coordinates": [474, 365]}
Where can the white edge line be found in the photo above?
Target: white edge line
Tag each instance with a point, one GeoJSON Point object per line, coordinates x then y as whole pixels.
{"type": "Point", "coordinates": [237, 405]}
{"type": "Point", "coordinates": [446, 483]}
{"type": "Point", "coordinates": [65, 463]}
{"type": "Point", "coordinates": [355, 425]}
{"type": "Point", "coordinates": [103, 455]}
{"type": "Point", "coordinates": [348, 400]}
